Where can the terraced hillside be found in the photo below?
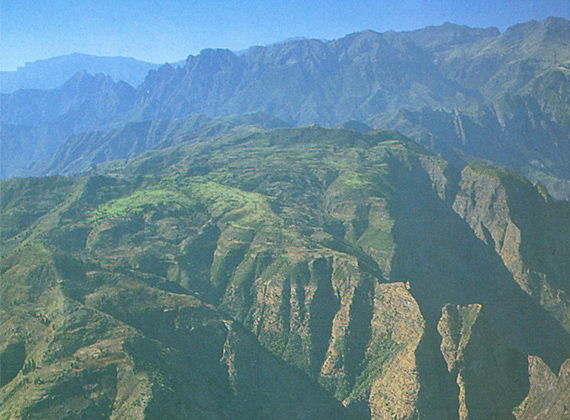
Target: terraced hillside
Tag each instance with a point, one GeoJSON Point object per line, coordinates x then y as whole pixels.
{"type": "Point", "coordinates": [288, 274]}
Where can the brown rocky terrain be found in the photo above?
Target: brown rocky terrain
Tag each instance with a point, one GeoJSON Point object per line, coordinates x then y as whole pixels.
{"type": "Point", "coordinates": [293, 273]}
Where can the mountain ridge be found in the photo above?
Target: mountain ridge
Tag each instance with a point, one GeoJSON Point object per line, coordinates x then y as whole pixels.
{"type": "Point", "coordinates": [53, 72]}
{"type": "Point", "coordinates": [381, 79]}
{"type": "Point", "coordinates": [360, 266]}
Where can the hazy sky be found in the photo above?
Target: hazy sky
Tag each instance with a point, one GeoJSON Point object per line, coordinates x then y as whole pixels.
{"type": "Point", "coordinates": [170, 30]}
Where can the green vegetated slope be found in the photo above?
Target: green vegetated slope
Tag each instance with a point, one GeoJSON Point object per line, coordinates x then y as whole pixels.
{"type": "Point", "coordinates": [82, 152]}
{"type": "Point", "coordinates": [294, 273]}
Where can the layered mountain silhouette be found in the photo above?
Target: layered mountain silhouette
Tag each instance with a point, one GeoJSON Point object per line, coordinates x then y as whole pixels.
{"type": "Point", "coordinates": [236, 238]}
{"type": "Point", "coordinates": [463, 92]}
{"type": "Point", "coordinates": [53, 72]}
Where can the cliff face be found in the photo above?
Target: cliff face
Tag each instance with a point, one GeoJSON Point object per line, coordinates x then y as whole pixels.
{"type": "Point", "coordinates": [489, 374]}
{"type": "Point", "coordinates": [138, 352]}
{"type": "Point", "coordinates": [521, 223]}
{"type": "Point", "coordinates": [293, 273]}
{"type": "Point", "coordinates": [549, 394]}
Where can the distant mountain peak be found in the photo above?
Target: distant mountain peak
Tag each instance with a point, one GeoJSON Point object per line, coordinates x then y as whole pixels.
{"type": "Point", "coordinates": [549, 23]}
{"type": "Point", "coordinates": [365, 76]}
{"type": "Point", "coordinates": [53, 72]}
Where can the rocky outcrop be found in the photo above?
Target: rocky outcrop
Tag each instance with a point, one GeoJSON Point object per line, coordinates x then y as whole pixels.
{"type": "Point", "coordinates": [549, 396]}
{"type": "Point", "coordinates": [398, 321]}
{"type": "Point", "coordinates": [497, 205]}
{"type": "Point", "coordinates": [285, 274]}
{"type": "Point", "coordinates": [488, 373]}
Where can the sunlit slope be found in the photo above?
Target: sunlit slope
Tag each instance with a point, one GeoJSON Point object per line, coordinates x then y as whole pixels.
{"type": "Point", "coordinates": [294, 273]}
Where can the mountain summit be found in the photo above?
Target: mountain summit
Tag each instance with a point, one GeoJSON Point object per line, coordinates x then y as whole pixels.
{"type": "Point", "coordinates": [465, 93]}
{"type": "Point", "coordinates": [367, 228]}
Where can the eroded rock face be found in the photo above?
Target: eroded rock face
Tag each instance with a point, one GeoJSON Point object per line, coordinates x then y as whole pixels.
{"type": "Point", "coordinates": [298, 274]}
{"type": "Point", "coordinates": [549, 396]}
{"type": "Point", "coordinates": [489, 374]}
{"type": "Point", "coordinates": [517, 221]}
{"type": "Point", "coordinates": [136, 352]}
{"type": "Point", "coordinates": [394, 392]}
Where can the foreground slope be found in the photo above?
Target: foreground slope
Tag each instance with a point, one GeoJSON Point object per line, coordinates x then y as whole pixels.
{"type": "Point", "coordinates": [293, 273]}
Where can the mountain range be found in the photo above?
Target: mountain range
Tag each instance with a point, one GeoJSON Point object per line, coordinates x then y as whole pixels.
{"type": "Point", "coordinates": [370, 228]}
{"type": "Point", "coordinates": [465, 93]}
{"type": "Point", "coordinates": [53, 72]}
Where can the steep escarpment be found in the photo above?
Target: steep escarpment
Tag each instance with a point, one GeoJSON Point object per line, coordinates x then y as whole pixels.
{"type": "Point", "coordinates": [490, 376]}
{"type": "Point", "coordinates": [293, 273]}
{"type": "Point", "coordinates": [526, 227]}
{"type": "Point", "coordinates": [127, 350]}
{"type": "Point", "coordinates": [549, 394]}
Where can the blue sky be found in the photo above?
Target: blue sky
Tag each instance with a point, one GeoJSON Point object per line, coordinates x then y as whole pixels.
{"type": "Point", "coordinates": [170, 30]}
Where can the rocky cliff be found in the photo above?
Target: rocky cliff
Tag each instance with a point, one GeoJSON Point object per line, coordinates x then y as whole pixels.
{"type": "Point", "coordinates": [292, 273]}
